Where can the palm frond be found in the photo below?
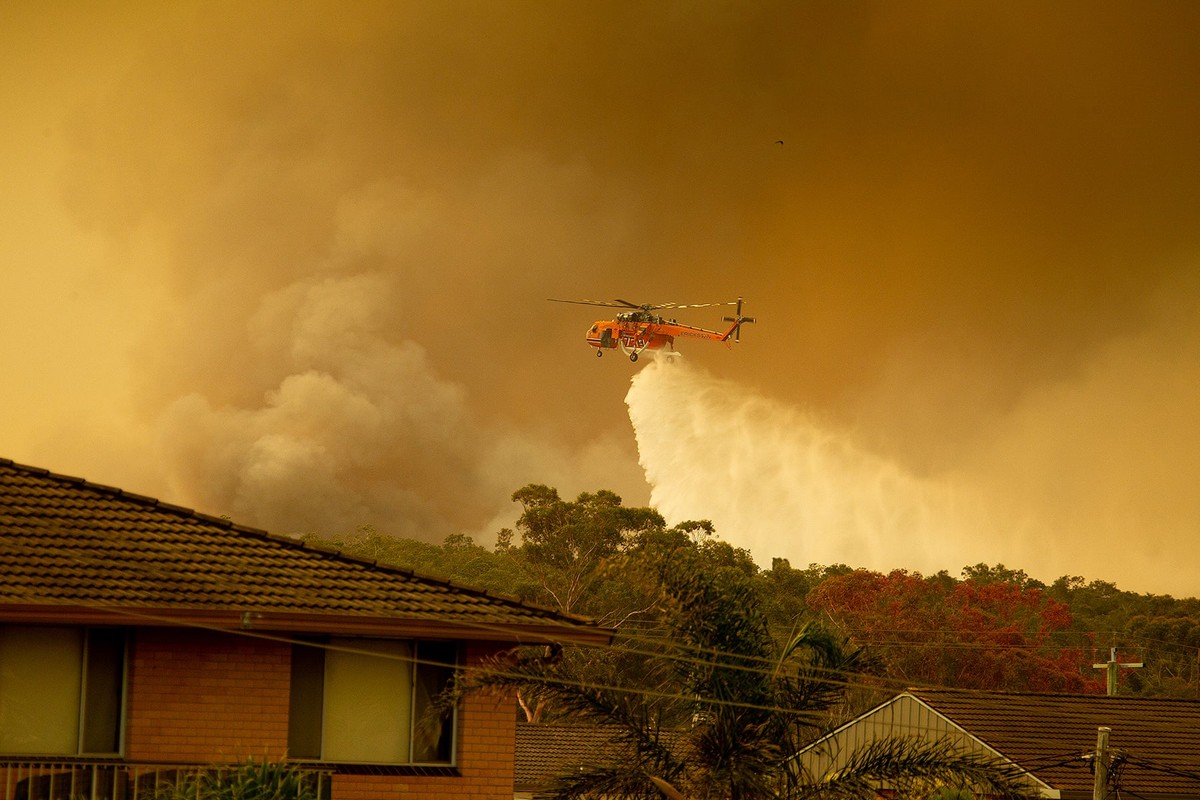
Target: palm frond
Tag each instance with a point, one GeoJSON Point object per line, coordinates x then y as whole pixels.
{"type": "Point", "coordinates": [917, 768]}
{"type": "Point", "coordinates": [608, 783]}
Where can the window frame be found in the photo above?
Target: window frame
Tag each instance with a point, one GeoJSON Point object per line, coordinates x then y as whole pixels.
{"type": "Point", "coordinates": [310, 727]}
{"type": "Point", "coordinates": [122, 709]}
{"type": "Point", "coordinates": [84, 665]}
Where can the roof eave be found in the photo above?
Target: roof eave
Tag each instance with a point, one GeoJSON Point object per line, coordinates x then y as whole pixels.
{"type": "Point", "coordinates": [260, 622]}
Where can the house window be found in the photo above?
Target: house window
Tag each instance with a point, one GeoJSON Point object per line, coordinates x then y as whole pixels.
{"type": "Point", "coordinates": [61, 690]}
{"type": "Point", "coordinates": [371, 701]}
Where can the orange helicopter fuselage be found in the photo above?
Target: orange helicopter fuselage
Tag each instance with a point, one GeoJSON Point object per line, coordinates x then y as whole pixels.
{"type": "Point", "coordinates": [640, 328]}
{"type": "Point", "coordinates": [636, 331]}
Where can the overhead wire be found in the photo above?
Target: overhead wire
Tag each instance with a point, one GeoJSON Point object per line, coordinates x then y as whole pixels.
{"type": "Point", "coordinates": [489, 671]}
{"type": "Point", "coordinates": [159, 572]}
{"type": "Point", "coordinates": [768, 665]}
{"type": "Point", "coordinates": [1166, 769]}
{"type": "Point", "coordinates": [482, 627]}
{"type": "Point", "coordinates": [844, 679]}
{"type": "Point", "coordinates": [702, 657]}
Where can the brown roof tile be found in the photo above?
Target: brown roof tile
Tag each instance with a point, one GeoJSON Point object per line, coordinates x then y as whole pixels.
{"type": "Point", "coordinates": [65, 542]}
{"type": "Point", "coordinates": [546, 751]}
{"type": "Point", "coordinates": [1158, 739]}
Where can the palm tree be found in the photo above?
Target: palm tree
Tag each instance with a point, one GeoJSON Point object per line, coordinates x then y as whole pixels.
{"type": "Point", "coordinates": [705, 705]}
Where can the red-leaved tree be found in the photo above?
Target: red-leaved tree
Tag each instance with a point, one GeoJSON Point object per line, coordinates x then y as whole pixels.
{"type": "Point", "coordinates": [937, 631]}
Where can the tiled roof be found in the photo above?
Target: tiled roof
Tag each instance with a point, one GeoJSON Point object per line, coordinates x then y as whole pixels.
{"type": "Point", "coordinates": [65, 542]}
{"type": "Point", "coordinates": [1158, 739]}
{"type": "Point", "coordinates": [545, 752]}
{"type": "Point", "coordinates": [548, 751]}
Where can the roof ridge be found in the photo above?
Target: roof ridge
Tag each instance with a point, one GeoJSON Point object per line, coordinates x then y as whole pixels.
{"type": "Point", "coordinates": [144, 499]}
{"type": "Point", "coordinates": [919, 690]}
{"type": "Point", "coordinates": [441, 580]}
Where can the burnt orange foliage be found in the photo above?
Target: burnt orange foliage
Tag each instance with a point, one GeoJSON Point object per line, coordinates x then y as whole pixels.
{"type": "Point", "coordinates": [937, 631]}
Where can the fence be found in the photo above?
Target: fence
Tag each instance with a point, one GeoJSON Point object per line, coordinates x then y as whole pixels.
{"type": "Point", "coordinates": [122, 780]}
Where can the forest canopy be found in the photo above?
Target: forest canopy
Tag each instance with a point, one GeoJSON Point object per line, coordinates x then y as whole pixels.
{"type": "Point", "coordinates": [990, 627]}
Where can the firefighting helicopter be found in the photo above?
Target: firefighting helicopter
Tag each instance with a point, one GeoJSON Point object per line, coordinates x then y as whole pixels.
{"type": "Point", "coordinates": [641, 328]}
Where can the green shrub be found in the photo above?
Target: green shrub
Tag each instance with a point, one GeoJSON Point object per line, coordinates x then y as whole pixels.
{"type": "Point", "coordinates": [251, 780]}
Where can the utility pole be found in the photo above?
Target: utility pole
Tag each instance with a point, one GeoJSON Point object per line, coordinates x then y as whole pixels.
{"type": "Point", "coordinates": [1111, 667]}
{"type": "Point", "coordinates": [1100, 786]}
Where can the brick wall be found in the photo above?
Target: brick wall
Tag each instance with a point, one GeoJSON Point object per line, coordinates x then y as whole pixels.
{"type": "Point", "coordinates": [200, 696]}
{"type": "Point", "coordinates": [205, 697]}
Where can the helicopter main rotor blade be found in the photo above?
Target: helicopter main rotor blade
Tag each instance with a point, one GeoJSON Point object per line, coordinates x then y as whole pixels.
{"type": "Point", "coordinates": [647, 307]}
{"type": "Point", "coordinates": [592, 303]}
{"type": "Point", "coordinates": [700, 305]}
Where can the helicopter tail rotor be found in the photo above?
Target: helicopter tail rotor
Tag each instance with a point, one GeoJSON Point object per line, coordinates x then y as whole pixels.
{"type": "Point", "coordinates": [738, 321]}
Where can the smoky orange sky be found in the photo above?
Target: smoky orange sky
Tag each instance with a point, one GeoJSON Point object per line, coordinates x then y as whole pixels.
{"type": "Point", "coordinates": [290, 262]}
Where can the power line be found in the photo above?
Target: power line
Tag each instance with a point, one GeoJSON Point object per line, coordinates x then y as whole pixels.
{"type": "Point", "coordinates": [157, 571]}
{"type": "Point", "coordinates": [703, 656]}
{"type": "Point", "coordinates": [1158, 766]}
{"type": "Point", "coordinates": [479, 626]}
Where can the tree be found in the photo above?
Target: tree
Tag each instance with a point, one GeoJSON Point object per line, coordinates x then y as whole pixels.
{"type": "Point", "coordinates": [716, 708]}
{"type": "Point", "coordinates": [566, 545]}
{"type": "Point", "coordinates": [969, 634]}
{"type": "Point", "coordinates": [1160, 630]}
{"type": "Point", "coordinates": [784, 590]}
{"type": "Point", "coordinates": [982, 574]}
{"type": "Point", "coordinates": [540, 562]}
{"type": "Point", "coordinates": [458, 558]}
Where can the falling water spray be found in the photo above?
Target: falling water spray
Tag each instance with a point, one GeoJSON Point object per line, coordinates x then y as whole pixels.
{"type": "Point", "coordinates": [777, 481]}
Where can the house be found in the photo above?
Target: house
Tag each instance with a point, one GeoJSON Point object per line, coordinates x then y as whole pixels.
{"type": "Point", "coordinates": [138, 639]}
{"type": "Point", "coordinates": [1154, 744]}
{"type": "Point", "coordinates": [548, 751]}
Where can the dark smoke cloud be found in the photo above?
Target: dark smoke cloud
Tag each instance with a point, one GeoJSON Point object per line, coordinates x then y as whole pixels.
{"type": "Point", "coordinates": [332, 228]}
